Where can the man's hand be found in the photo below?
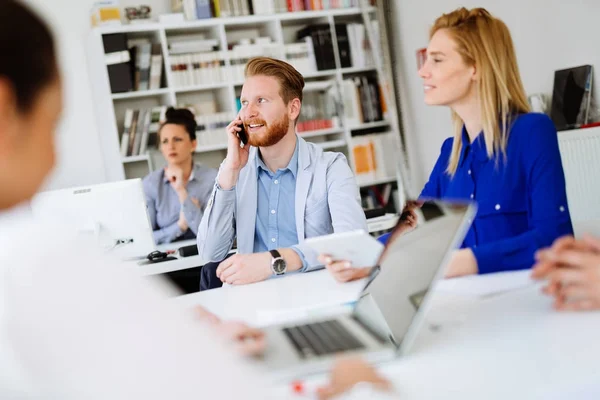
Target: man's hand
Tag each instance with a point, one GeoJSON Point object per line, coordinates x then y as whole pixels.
{"type": "Point", "coordinates": [343, 271]}
{"type": "Point", "coordinates": [572, 268]}
{"type": "Point", "coordinates": [463, 263]}
{"type": "Point", "coordinates": [236, 159]}
{"type": "Point", "coordinates": [347, 373]}
{"type": "Point", "coordinates": [241, 269]}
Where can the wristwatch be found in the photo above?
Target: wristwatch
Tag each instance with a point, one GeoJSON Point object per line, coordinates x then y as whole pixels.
{"type": "Point", "coordinates": [278, 264]}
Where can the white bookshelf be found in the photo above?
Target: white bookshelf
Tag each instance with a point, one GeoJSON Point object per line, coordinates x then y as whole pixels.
{"type": "Point", "coordinates": [110, 108]}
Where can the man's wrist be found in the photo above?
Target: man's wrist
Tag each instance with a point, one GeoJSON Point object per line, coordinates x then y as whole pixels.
{"type": "Point", "coordinates": [227, 177]}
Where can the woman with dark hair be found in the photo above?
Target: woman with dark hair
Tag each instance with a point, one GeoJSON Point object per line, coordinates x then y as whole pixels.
{"type": "Point", "coordinates": [177, 194]}
{"type": "Point", "coordinates": [116, 336]}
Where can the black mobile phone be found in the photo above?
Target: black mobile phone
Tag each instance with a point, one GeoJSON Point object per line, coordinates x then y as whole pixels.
{"type": "Point", "coordinates": [242, 134]}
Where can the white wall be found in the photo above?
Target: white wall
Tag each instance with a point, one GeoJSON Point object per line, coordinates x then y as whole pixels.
{"type": "Point", "coordinates": [548, 35]}
{"type": "Point", "coordinates": [79, 158]}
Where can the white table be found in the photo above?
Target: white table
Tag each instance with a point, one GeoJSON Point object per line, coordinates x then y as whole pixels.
{"type": "Point", "coordinates": [170, 266]}
{"type": "Point", "coordinates": [276, 300]}
{"type": "Point", "coordinates": [387, 221]}
{"type": "Point", "coordinates": [499, 346]}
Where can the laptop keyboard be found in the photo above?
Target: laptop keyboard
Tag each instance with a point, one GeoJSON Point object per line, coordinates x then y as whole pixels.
{"type": "Point", "coordinates": [321, 338]}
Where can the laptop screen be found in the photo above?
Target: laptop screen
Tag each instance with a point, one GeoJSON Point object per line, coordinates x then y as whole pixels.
{"type": "Point", "coordinates": [409, 264]}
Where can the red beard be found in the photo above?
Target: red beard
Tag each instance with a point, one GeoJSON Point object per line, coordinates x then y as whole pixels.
{"type": "Point", "coordinates": [274, 132]}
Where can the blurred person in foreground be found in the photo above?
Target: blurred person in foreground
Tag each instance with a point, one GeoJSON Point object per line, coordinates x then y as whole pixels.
{"type": "Point", "coordinates": [116, 337]}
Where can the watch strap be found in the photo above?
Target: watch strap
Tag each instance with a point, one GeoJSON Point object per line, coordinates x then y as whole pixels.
{"type": "Point", "coordinates": [275, 254]}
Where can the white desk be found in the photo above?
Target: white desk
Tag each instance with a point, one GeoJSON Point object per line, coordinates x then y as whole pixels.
{"type": "Point", "coordinates": [510, 345]}
{"type": "Point", "coordinates": [280, 299]}
{"type": "Point", "coordinates": [170, 266]}
{"type": "Point", "coordinates": [387, 221]}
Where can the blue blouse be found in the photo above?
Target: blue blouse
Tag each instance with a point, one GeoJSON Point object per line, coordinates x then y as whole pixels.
{"type": "Point", "coordinates": [522, 199]}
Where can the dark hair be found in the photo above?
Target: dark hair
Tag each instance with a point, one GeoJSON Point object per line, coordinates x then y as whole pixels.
{"type": "Point", "coordinates": [28, 52]}
{"type": "Point", "coordinates": [183, 117]}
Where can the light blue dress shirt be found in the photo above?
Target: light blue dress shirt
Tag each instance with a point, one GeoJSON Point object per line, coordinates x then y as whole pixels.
{"type": "Point", "coordinates": [325, 199]}
{"type": "Point", "coordinates": [276, 222]}
{"type": "Point", "coordinates": [164, 206]}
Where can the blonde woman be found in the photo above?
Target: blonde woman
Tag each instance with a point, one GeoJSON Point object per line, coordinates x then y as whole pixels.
{"type": "Point", "coordinates": [501, 155]}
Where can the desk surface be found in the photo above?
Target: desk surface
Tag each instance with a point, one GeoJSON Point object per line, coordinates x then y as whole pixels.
{"type": "Point", "coordinates": [510, 344]}
{"type": "Point", "coordinates": [170, 266]}
{"type": "Point", "coordinates": [276, 300]}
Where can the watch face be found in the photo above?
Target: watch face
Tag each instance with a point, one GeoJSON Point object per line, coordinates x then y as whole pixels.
{"type": "Point", "coordinates": [279, 266]}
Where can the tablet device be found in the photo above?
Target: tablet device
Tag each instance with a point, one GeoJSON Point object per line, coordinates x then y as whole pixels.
{"type": "Point", "coordinates": [358, 247]}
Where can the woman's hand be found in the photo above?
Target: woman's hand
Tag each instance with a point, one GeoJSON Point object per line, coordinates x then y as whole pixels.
{"type": "Point", "coordinates": [572, 269]}
{"type": "Point", "coordinates": [182, 223]}
{"type": "Point", "coordinates": [247, 341]}
{"type": "Point", "coordinates": [175, 176]}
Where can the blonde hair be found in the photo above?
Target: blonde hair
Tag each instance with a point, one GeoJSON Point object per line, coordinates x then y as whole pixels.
{"type": "Point", "coordinates": [291, 82]}
{"type": "Point", "coordinates": [484, 41]}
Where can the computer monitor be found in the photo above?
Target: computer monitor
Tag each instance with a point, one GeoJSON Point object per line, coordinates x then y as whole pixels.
{"type": "Point", "coordinates": [571, 97]}
{"type": "Point", "coordinates": [114, 214]}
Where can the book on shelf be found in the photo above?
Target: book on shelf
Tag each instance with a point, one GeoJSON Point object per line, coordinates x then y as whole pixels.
{"type": "Point", "coordinates": [343, 42]}
{"type": "Point", "coordinates": [140, 129]}
{"type": "Point", "coordinates": [143, 71]}
{"type": "Point", "coordinates": [302, 56]}
{"type": "Point", "coordinates": [198, 43]}
{"type": "Point", "coordinates": [322, 42]}
{"type": "Point", "coordinates": [362, 99]}
{"type": "Point", "coordinates": [211, 122]}
{"type": "Point", "coordinates": [319, 111]}
{"type": "Point", "coordinates": [137, 141]}
{"type": "Point", "coordinates": [133, 64]}
{"type": "Point", "coordinates": [118, 62]}
{"type": "Point", "coordinates": [125, 135]}
{"type": "Point", "coordinates": [373, 157]}
{"type": "Point", "coordinates": [198, 69]}
{"type": "Point", "coordinates": [132, 132]}
{"type": "Point", "coordinates": [378, 197]}
{"type": "Point", "coordinates": [203, 9]}
{"type": "Point", "coordinates": [156, 67]}
{"type": "Point", "coordinates": [143, 145]}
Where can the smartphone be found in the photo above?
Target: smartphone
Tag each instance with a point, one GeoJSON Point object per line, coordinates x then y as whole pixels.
{"type": "Point", "coordinates": [242, 134]}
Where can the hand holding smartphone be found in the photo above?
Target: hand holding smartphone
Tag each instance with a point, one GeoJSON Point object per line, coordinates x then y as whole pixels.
{"type": "Point", "coordinates": [242, 134]}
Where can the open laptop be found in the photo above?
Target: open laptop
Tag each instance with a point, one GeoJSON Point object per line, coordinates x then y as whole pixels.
{"type": "Point", "coordinates": [386, 319]}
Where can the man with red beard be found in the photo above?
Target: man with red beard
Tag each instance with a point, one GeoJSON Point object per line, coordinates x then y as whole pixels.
{"type": "Point", "coordinates": [276, 191]}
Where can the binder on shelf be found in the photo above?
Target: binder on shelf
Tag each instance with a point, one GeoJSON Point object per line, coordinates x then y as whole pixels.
{"type": "Point", "coordinates": [118, 62]}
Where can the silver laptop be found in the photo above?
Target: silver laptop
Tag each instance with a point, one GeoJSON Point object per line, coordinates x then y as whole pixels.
{"type": "Point", "coordinates": [386, 319]}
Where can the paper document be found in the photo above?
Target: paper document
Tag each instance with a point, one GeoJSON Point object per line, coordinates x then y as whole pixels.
{"type": "Point", "coordinates": [486, 285]}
